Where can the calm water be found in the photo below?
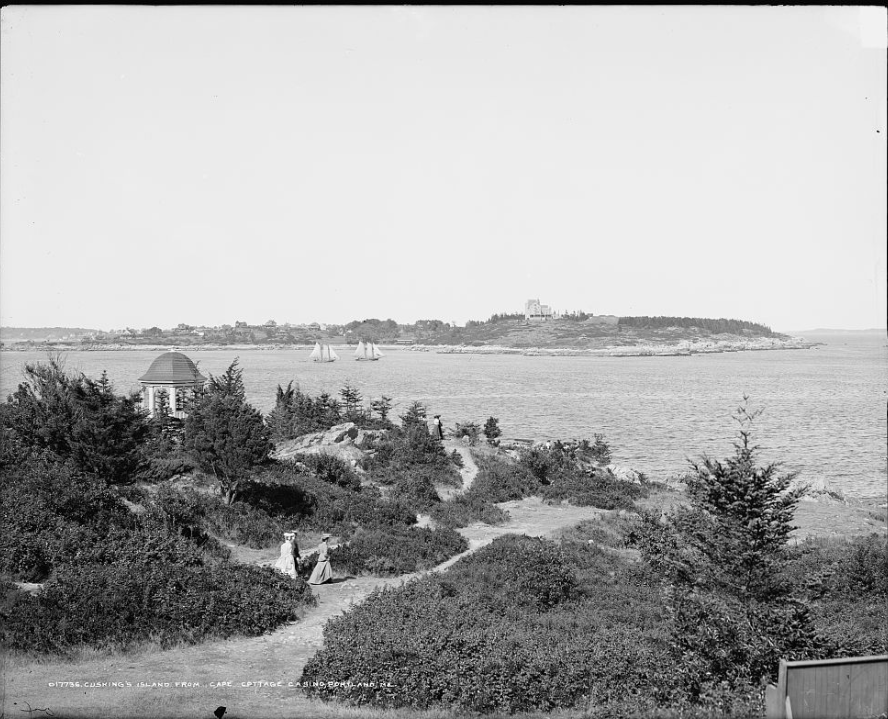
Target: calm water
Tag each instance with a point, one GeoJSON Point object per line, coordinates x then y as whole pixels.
{"type": "Point", "coordinates": [825, 408]}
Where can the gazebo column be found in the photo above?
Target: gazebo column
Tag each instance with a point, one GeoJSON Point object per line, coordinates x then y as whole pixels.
{"type": "Point", "coordinates": [151, 399]}
{"type": "Point", "coordinates": [173, 400]}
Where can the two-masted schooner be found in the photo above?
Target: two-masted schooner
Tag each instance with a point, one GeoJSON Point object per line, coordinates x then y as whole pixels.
{"type": "Point", "coordinates": [367, 351]}
{"type": "Point", "coordinates": [323, 353]}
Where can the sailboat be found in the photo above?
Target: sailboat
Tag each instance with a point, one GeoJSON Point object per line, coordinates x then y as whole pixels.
{"type": "Point", "coordinates": [367, 351]}
{"type": "Point", "coordinates": [323, 353]}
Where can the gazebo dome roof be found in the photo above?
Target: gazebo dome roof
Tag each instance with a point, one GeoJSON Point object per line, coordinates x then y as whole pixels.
{"type": "Point", "coordinates": [172, 368]}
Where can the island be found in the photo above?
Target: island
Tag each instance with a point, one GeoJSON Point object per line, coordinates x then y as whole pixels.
{"type": "Point", "coordinates": [565, 334]}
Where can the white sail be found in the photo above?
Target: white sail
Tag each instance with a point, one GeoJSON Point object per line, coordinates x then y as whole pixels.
{"type": "Point", "coordinates": [367, 351]}
{"type": "Point", "coordinates": [323, 353]}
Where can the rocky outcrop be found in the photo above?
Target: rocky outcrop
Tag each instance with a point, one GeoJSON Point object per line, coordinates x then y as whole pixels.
{"type": "Point", "coordinates": [624, 474]}
{"type": "Point", "coordinates": [818, 489]}
{"type": "Point", "coordinates": [345, 441]}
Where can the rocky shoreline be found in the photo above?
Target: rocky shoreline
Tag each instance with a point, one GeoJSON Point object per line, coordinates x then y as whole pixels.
{"type": "Point", "coordinates": [682, 348]}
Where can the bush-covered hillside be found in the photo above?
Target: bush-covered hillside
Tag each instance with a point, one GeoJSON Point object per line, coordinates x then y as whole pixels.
{"type": "Point", "coordinates": [128, 522]}
{"type": "Point", "coordinates": [678, 614]}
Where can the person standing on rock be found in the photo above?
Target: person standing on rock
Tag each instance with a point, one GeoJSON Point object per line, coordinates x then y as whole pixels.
{"type": "Point", "coordinates": [439, 428]}
{"type": "Point", "coordinates": [287, 563]}
{"type": "Point", "coordinates": [322, 572]}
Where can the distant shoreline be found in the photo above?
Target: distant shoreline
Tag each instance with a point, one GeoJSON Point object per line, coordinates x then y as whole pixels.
{"type": "Point", "coordinates": [685, 348]}
{"type": "Point", "coordinates": [679, 349]}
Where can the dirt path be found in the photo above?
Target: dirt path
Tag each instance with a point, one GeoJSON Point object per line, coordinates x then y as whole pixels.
{"type": "Point", "coordinates": [278, 657]}
{"type": "Point", "coordinates": [468, 472]}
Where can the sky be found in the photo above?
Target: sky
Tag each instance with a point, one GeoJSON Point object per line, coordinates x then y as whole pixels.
{"type": "Point", "coordinates": [207, 165]}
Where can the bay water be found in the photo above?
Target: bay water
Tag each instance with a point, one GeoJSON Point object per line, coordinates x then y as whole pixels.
{"type": "Point", "coordinates": [824, 409]}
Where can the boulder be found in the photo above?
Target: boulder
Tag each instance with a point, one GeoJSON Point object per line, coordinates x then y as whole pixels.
{"type": "Point", "coordinates": [338, 441]}
{"type": "Point", "coordinates": [366, 437]}
{"type": "Point", "coordinates": [624, 474]}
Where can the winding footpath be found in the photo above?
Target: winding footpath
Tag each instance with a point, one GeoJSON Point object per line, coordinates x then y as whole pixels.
{"type": "Point", "coordinates": [252, 677]}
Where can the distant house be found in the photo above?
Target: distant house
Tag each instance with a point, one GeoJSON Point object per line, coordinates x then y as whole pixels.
{"type": "Point", "coordinates": [533, 310]}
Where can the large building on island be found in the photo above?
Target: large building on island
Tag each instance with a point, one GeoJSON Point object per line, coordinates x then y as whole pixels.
{"type": "Point", "coordinates": [533, 310]}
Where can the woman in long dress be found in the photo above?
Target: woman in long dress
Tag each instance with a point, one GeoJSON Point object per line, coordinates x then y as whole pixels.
{"type": "Point", "coordinates": [286, 563]}
{"type": "Point", "coordinates": [322, 572]}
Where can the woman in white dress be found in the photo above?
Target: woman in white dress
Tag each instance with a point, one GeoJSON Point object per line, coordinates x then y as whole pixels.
{"type": "Point", "coordinates": [286, 563]}
{"type": "Point", "coordinates": [322, 572]}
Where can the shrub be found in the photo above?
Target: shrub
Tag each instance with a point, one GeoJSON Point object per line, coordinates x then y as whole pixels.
{"type": "Point", "coordinates": [501, 481]}
{"type": "Point", "coordinates": [241, 523]}
{"type": "Point", "coordinates": [162, 468]}
{"type": "Point", "coordinates": [331, 469]}
{"type": "Point", "coordinates": [492, 430]}
{"type": "Point", "coordinates": [464, 509]}
{"type": "Point", "coordinates": [23, 556]}
{"type": "Point", "coordinates": [609, 530]}
{"type": "Point", "coordinates": [45, 506]}
{"type": "Point", "coordinates": [599, 451]}
{"type": "Point", "coordinates": [597, 490]}
{"type": "Point", "coordinates": [505, 629]}
{"type": "Point", "coordinates": [438, 473]}
{"type": "Point", "coordinates": [527, 570]}
{"type": "Point", "coordinates": [540, 462]}
{"type": "Point", "coordinates": [116, 605]}
{"type": "Point", "coordinates": [396, 551]}
{"type": "Point", "coordinates": [310, 503]}
{"type": "Point", "coordinates": [417, 492]}
{"type": "Point", "coordinates": [470, 430]}
{"type": "Point", "coordinates": [845, 586]}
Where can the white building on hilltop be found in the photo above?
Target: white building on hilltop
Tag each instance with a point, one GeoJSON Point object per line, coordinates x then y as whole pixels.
{"type": "Point", "coordinates": [533, 310]}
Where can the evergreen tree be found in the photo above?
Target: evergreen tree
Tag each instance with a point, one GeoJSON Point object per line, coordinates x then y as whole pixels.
{"type": "Point", "coordinates": [416, 414]}
{"type": "Point", "coordinates": [230, 383]}
{"type": "Point", "coordinates": [491, 429]}
{"type": "Point", "coordinates": [74, 419]}
{"type": "Point", "coordinates": [281, 421]}
{"type": "Point", "coordinates": [734, 534]}
{"type": "Point", "coordinates": [225, 435]}
{"type": "Point", "coordinates": [382, 407]}
{"type": "Point", "coordinates": [723, 558]}
{"type": "Point", "coordinates": [351, 400]}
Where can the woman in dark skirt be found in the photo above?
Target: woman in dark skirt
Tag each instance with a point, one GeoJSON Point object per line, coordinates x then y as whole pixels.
{"type": "Point", "coordinates": [322, 572]}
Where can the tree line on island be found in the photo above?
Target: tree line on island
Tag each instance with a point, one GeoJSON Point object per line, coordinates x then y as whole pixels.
{"type": "Point", "coordinates": [129, 523]}
{"type": "Point", "coordinates": [430, 331]}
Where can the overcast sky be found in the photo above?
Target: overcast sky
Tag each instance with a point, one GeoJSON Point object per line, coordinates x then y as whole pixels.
{"type": "Point", "coordinates": [204, 165]}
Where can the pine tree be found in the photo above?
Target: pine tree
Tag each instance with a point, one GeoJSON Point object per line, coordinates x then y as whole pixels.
{"type": "Point", "coordinates": [733, 614]}
{"type": "Point", "coordinates": [282, 420]}
{"type": "Point", "coordinates": [748, 512]}
{"type": "Point", "coordinates": [382, 407]}
{"type": "Point", "coordinates": [351, 400]}
{"type": "Point", "coordinates": [76, 419]}
{"type": "Point", "coordinates": [230, 383]}
{"type": "Point", "coordinates": [491, 429]}
{"type": "Point", "coordinates": [225, 435]}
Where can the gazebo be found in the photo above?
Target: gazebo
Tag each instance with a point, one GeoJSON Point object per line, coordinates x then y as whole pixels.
{"type": "Point", "coordinates": [175, 373]}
